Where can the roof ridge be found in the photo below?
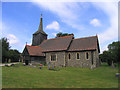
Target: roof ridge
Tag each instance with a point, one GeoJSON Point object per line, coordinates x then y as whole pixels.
{"type": "Point", "coordinates": [85, 37]}
{"type": "Point", "coordinates": [59, 37]}
{"type": "Point", "coordinates": [34, 46]}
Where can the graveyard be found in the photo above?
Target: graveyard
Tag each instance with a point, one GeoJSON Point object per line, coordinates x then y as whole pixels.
{"type": "Point", "coordinates": [19, 76]}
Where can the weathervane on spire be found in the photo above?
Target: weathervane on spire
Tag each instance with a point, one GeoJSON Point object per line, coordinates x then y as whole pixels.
{"type": "Point", "coordinates": [41, 15]}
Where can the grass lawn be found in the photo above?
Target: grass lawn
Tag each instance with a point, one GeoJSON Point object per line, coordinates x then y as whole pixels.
{"type": "Point", "coordinates": [67, 77]}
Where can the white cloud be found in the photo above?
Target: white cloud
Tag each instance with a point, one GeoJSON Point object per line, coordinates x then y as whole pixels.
{"type": "Point", "coordinates": [103, 49]}
{"type": "Point", "coordinates": [3, 29]}
{"type": "Point", "coordinates": [12, 39]}
{"type": "Point", "coordinates": [54, 25]}
{"type": "Point", "coordinates": [111, 10]}
{"type": "Point", "coordinates": [64, 10]}
{"type": "Point", "coordinates": [95, 22]}
{"type": "Point", "coordinates": [54, 34]}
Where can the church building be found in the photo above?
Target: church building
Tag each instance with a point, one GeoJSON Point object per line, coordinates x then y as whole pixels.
{"type": "Point", "coordinates": [62, 51]}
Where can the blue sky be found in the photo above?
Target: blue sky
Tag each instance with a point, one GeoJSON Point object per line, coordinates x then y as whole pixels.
{"type": "Point", "coordinates": [21, 19]}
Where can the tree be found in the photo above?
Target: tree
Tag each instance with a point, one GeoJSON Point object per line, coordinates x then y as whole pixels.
{"type": "Point", "coordinates": [60, 34]}
{"type": "Point", "coordinates": [5, 49]}
{"type": "Point", "coordinates": [114, 48]}
{"type": "Point", "coordinates": [8, 53]}
{"type": "Point", "coordinates": [14, 55]}
{"type": "Point", "coordinates": [102, 58]}
{"type": "Point", "coordinates": [106, 57]}
{"type": "Point", "coordinates": [112, 54]}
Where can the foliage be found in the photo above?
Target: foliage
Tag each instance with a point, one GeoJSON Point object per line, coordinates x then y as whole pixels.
{"type": "Point", "coordinates": [14, 55]}
{"type": "Point", "coordinates": [114, 49]}
{"type": "Point", "coordinates": [67, 77]}
{"type": "Point", "coordinates": [111, 54]}
{"type": "Point", "coordinates": [60, 34]}
{"type": "Point", "coordinates": [5, 49]}
{"type": "Point", "coordinates": [8, 53]}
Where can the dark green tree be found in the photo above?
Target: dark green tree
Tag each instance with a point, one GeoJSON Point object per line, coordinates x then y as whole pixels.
{"type": "Point", "coordinates": [5, 49]}
{"type": "Point", "coordinates": [14, 55]}
{"type": "Point", "coordinates": [112, 54]}
{"type": "Point", "coordinates": [102, 58]}
{"type": "Point", "coordinates": [8, 53]}
{"type": "Point", "coordinates": [106, 57]}
{"type": "Point", "coordinates": [60, 34]}
{"type": "Point", "coordinates": [114, 48]}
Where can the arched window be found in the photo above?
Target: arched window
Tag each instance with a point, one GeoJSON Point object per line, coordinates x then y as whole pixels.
{"type": "Point", "coordinates": [77, 56]}
{"type": "Point", "coordinates": [87, 55]}
{"type": "Point", "coordinates": [69, 56]}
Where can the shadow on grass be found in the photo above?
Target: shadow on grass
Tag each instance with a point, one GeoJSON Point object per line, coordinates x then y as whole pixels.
{"type": "Point", "coordinates": [54, 69]}
{"type": "Point", "coordinates": [116, 66]}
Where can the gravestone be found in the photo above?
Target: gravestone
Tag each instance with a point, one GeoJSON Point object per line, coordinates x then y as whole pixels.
{"type": "Point", "coordinates": [117, 75]}
{"type": "Point", "coordinates": [9, 60]}
{"type": "Point", "coordinates": [6, 65]}
{"type": "Point", "coordinates": [12, 64]}
{"type": "Point", "coordinates": [33, 66]}
{"type": "Point", "coordinates": [40, 67]}
{"type": "Point", "coordinates": [113, 65]}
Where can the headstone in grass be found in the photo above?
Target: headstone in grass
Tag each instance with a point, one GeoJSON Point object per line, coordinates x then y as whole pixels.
{"type": "Point", "coordinates": [117, 75]}
{"type": "Point", "coordinates": [30, 64]}
{"type": "Point", "coordinates": [12, 65]}
{"type": "Point", "coordinates": [6, 65]}
{"type": "Point", "coordinates": [92, 66]}
{"type": "Point", "coordinates": [24, 64]}
{"type": "Point", "coordinates": [40, 67]}
{"type": "Point", "coordinates": [33, 66]}
{"type": "Point", "coordinates": [9, 60]}
{"type": "Point", "coordinates": [113, 66]}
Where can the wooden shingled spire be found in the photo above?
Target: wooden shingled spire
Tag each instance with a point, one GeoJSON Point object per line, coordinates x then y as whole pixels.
{"type": "Point", "coordinates": [40, 29]}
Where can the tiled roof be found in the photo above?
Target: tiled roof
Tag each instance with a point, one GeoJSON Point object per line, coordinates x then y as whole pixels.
{"type": "Point", "coordinates": [65, 43]}
{"type": "Point", "coordinates": [56, 44]}
{"type": "Point", "coordinates": [34, 50]}
{"type": "Point", "coordinates": [87, 43]}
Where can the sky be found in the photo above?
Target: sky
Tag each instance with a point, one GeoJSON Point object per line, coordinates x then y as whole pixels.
{"type": "Point", "coordinates": [21, 19]}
